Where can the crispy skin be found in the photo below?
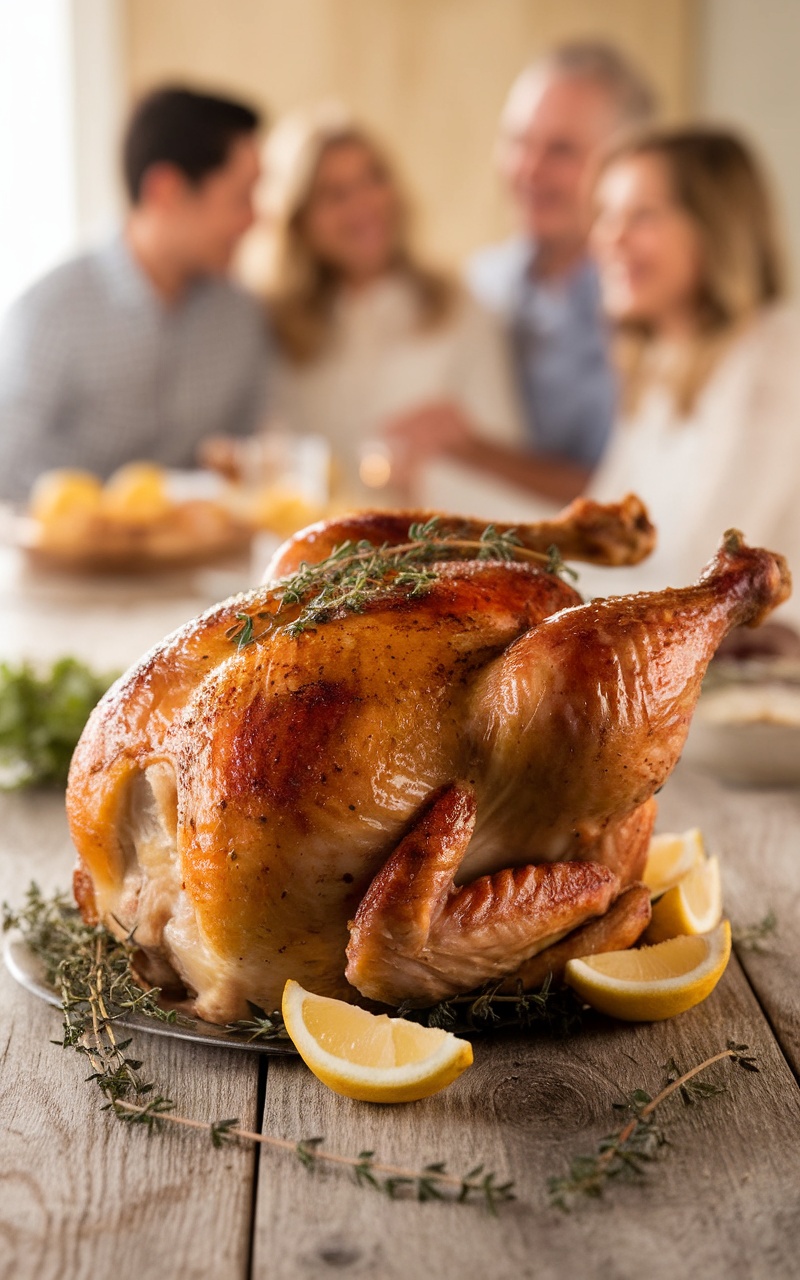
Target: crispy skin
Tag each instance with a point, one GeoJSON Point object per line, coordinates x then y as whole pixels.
{"type": "Point", "coordinates": [235, 804]}
{"type": "Point", "coordinates": [624, 844]}
{"type": "Point", "coordinates": [601, 533]}
{"type": "Point", "coordinates": [417, 937]}
{"type": "Point", "coordinates": [621, 926]}
{"type": "Point", "coordinates": [608, 691]}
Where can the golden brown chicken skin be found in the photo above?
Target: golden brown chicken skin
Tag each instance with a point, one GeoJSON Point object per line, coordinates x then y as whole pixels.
{"type": "Point", "coordinates": [250, 810]}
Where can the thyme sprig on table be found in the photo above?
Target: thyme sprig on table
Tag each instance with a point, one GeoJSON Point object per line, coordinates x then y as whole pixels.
{"type": "Point", "coordinates": [92, 972]}
{"type": "Point", "coordinates": [756, 937]}
{"type": "Point", "coordinates": [357, 573]}
{"type": "Point", "coordinates": [626, 1154]}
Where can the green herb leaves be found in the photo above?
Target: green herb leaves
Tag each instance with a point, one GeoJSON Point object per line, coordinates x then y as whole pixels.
{"type": "Point", "coordinates": [554, 1009]}
{"type": "Point", "coordinates": [357, 573]}
{"type": "Point", "coordinates": [92, 972]}
{"type": "Point", "coordinates": [757, 937]}
{"type": "Point", "coordinates": [627, 1153]}
{"type": "Point", "coordinates": [41, 719]}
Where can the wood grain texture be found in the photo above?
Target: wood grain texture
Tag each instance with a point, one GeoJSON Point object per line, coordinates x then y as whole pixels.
{"type": "Point", "coordinates": [81, 1195]}
{"type": "Point", "coordinates": [757, 837]}
{"type": "Point", "coordinates": [723, 1203]}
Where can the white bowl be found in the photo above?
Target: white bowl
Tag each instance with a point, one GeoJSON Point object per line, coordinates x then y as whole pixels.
{"type": "Point", "coordinates": [746, 728]}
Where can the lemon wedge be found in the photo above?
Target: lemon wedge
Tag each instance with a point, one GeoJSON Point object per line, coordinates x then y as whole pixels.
{"type": "Point", "coordinates": [64, 493]}
{"type": "Point", "coordinates": [670, 857]}
{"type": "Point", "coordinates": [137, 491]}
{"type": "Point", "coordinates": [370, 1056]}
{"type": "Point", "coordinates": [649, 984]}
{"type": "Point", "coordinates": [693, 906]}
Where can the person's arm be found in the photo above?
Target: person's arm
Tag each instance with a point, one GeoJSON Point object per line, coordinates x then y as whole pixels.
{"type": "Point", "coordinates": [442, 430]}
{"type": "Point", "coordinates": [480, 426]}
{"type": "Point", "coordinates": [225, 453]}
{"type": "Point", "coordinates": [555, 478]}
{"type": "Point", "coordinates": [34, 375]}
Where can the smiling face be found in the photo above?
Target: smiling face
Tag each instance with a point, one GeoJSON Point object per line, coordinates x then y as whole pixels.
{"type": "Point", "coordinates": [203, 222]}
{"type": "Point", "coordinates": [552, 129]}
{"type": "Point", "coordinates": [352, 217]}
{"type": "Point", "coordinates": [647, 247]}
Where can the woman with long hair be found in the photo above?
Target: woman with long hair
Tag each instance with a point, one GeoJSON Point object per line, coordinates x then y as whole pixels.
{"type": "Point", "coordinates": [693, 279]}
{"type": "Point", "coordinates": [368, 337]}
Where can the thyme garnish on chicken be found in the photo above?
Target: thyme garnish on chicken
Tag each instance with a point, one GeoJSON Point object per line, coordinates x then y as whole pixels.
{"type": "Point", "coordinates": [627, 1153]}
{"type": "Point", "coordinates": [91, 970]}
{"type": "Point", "coordinates": [357, 573]}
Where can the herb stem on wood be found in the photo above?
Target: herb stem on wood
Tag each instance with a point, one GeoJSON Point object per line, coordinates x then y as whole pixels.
{"type": "Point", "coordinates": [91, 970]}
{"type": "Point", "coordinates": [428, 1183]}
{"type": "Point", "coordinates": [627, 1153]}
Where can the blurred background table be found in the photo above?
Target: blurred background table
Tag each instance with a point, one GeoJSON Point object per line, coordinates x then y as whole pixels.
{"type": "Point", "coordinates": [84, 1196]}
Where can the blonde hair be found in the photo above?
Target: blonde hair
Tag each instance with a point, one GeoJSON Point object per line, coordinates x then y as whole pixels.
{"type": "Point", "coordinates": [300, 288]}
{"type": "Point", "coordinates": [718, 183]}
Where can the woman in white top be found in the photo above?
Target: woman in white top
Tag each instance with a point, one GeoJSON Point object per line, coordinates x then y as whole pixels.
{"type": "Point", "coordinates": [693, 277]}
{"type": "Point", "coordinates": [368, 338]}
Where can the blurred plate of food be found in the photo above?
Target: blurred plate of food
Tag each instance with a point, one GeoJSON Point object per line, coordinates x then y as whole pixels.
{"type": "Point", "coordinates": [140, 521]}
{"type": "Point", "coordinates": [746, 729]}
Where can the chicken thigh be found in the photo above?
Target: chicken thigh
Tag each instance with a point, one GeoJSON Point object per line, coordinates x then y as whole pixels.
{"type": "Point", "coordinates": [403, 802]}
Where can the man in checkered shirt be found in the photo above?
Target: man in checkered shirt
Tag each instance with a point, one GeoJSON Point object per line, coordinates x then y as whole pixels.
{"type": "Point", "coordinates": [144, 347]}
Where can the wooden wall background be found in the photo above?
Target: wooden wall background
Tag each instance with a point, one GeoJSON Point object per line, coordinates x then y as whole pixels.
{"type": "Point", "coordinates": [431, 75]}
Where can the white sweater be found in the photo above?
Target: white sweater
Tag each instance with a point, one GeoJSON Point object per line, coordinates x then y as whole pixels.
{"type": "Point", "coordinates": [381, 365]}
{"type": "Point", "coordinates": [733, 463]}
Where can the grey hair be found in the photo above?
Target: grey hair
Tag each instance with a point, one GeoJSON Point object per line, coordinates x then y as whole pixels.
{"type": "Point", "coordinates": [634, 96]}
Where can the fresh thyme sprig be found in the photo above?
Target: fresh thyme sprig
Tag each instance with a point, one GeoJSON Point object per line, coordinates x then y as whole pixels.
{"type": "Point", "coordinates": [756, 937]}
{"type": "Point", "coordinates": [356, 573]}
{"type": "Point", "coordinates": [552, 1008]}
{"type": "Point", "coordinates": [627, 1153]}
{"type": "Point", "coordinates": [92, 972]}
{"type": "Point", "coordinates": [261, 1026]}
{"type": "Point", "coordinates": [432, 1182]}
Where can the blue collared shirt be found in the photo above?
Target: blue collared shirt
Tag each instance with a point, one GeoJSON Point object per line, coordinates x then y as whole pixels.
{"type": "Point", "coordinates": [560, 347]}
{"type": "Point", "coordinates": [96, 371]}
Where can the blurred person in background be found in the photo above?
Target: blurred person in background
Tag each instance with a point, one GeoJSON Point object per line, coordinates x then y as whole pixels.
{"type": "Point", "coordinates": [143, 347]}
{"type": "Point", "coordinates": [693, 278]}
{"type": "Point", "coordinates": [370, 341]}
{"type": "Point", "coordinates": [560, 114]}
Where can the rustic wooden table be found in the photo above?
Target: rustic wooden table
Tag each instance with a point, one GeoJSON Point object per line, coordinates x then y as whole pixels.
{"type": "Point", "coordinates": [84, 1196]}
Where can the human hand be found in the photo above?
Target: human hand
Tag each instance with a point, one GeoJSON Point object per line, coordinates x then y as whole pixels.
{"type": "Point", "coordinates": [222, 454]}
{"type": "Point", "coordinates": [433, 430]}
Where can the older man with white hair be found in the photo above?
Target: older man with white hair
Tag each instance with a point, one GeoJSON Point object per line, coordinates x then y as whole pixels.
{"type": "Point", "coordinates": [558, 116]}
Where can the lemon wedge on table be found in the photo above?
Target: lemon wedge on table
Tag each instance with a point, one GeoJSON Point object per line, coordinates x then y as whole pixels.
{"type": "Point", "coordinates": [693, 906]}
{"type": "Point", "coordinates": [370, 1056]}
{"type": "Point", "coordinates": [649, 984]}
{"type": "Point", "coordinates": [670, 858]}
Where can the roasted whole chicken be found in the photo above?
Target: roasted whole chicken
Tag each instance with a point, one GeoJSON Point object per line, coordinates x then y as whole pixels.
{"type": "Point", "coordinates": [429, 783]}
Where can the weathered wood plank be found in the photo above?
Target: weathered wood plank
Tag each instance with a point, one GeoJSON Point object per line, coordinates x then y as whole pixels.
{"type": "Point", "coordinates": [757, 836]}
{"type": "Point", "coordinates": [81, 1195]}
{"type": "Point", "coordinates": [723, 1203]}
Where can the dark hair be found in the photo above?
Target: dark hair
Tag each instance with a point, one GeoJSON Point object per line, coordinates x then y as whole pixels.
{"type": "Point", "coordinates": [192, 131]}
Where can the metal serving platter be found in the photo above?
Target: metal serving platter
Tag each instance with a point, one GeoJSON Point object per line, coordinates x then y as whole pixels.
{"type": "Point", "coordinates": [26, 968]}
